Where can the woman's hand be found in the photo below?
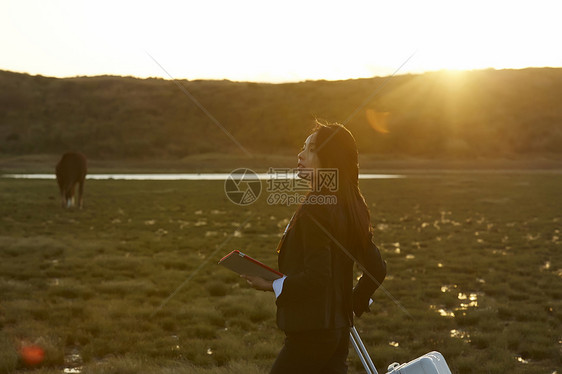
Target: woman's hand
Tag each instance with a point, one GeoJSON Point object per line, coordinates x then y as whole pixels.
{"type": "Point", "coordinates": [258, 283]}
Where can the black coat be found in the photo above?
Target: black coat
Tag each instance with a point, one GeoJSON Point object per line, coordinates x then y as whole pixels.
{"type": "Point", "coordinates": [318, 292]}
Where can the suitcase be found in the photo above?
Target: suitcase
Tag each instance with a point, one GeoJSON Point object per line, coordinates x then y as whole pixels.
{"type": "Point", "coordinates": [430, 363]}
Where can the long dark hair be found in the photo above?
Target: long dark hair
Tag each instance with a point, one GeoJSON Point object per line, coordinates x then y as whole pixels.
{"type": "Point", "coordinates": [336, 148]}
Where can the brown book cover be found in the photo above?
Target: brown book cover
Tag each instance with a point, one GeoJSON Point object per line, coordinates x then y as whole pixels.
{"type": "Point", "coordinates": [244, 264]}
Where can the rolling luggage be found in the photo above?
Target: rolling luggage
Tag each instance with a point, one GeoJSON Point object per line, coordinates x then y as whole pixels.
{"type": "Point", "coordinates": [430, 363]}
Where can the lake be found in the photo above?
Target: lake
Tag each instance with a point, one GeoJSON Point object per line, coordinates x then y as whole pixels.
{"type": "Point", "coordinates": [186, 176]}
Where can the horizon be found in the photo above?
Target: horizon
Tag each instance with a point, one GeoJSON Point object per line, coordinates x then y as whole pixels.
{"type": "Point", "coordinates": [452, 71]}
{"type": "Point", "coordinates": [274, 42]}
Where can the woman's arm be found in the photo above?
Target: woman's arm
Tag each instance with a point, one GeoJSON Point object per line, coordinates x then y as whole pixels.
{"type": "Point", "coordinates": [371, 279]}
{"type": "Point", "coordinates": [264, 285]}
{"type": "Point", "coordinates": [258, 283]}
{"type": "Point", "coordinates": [316, 269]}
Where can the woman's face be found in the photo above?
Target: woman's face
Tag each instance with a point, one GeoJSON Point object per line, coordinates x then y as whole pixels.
{"type": "Point", "coordinates": [308, 158]}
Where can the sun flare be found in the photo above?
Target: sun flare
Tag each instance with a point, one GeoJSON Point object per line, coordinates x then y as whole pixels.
{"type": "Point", "coordinates": [256, 41]}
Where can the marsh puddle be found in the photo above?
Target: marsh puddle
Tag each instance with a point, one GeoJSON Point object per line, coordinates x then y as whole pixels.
{"type": "Point", "coordinates": [448, 287]}
{"type": "Point", "coordinates": [468, 300]}
{"type": "Point", "coordinates": [73, 362]}
{"type": "Point", "coordinates": [460, 334]}
{"type": "Point", "coordinates": [442, 311]}
{"type": "Point", "coordinates": [446, 313]}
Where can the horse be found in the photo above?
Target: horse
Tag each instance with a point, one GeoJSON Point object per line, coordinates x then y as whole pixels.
{"type": "Point", "coordinates": [71, 170]}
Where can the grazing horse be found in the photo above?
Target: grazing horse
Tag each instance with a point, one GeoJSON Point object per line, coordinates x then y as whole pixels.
{"type": "Point", "coordinates": [71, 170]}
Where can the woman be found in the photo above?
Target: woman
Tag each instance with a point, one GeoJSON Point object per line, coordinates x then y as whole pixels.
{"type": "Point", "coordinates": [316, 299]}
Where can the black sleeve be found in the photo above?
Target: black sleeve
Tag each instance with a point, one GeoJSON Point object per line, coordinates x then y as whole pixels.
{"type": "Point", "coordinates": [374, 272]}
{"type": "Point", "coordinates": [317, 269]}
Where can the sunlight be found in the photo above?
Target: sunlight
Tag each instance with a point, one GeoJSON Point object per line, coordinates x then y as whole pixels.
{"type": "Point", "coordinates": [378, 120]}
{"type": "Point", "coordinates": [256, 41]}
{"type": "Point", "coordinates": [455, 77]}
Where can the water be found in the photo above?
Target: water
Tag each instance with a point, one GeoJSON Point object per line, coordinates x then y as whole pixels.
{"type": "Point", "coordinates": [73, 362]}
{"type": "Point", "coordinates": [184, 176]}
{"type": "Point", "coordinates": [460, 334]}
{"type": "Point", "coordinates": [468, 301]}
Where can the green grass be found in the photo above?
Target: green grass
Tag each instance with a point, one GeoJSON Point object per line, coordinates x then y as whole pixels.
{"type": "Point", "coordinates": [93, 282]}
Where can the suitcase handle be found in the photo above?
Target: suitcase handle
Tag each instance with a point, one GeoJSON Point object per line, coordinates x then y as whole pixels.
{"type": "Point", "coordinates": [392, 366]}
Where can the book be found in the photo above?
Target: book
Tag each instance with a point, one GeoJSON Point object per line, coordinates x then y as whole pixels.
{"type": "Point", "coordinates": [244, 264]}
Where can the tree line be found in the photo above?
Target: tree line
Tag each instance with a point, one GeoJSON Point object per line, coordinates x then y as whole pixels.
{"type": "Point", "coordinates": [481, 113]}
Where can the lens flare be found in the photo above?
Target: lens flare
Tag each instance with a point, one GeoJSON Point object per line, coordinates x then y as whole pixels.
{"type": "Point", "coordinates": [32, 355]}
{"type": "Point", "coordinates": [378, 120]}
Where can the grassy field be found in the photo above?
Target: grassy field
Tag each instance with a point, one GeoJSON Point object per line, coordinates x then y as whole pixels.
{"type": "Point", "coordinates": [130, 283]}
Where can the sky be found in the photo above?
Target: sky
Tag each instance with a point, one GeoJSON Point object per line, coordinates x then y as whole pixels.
{"type": "Point", "coordinates": [275, 41]}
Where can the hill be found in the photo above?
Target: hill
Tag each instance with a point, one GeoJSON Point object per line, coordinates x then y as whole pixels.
{"type": "Point", "coordinates": [475, 114]}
